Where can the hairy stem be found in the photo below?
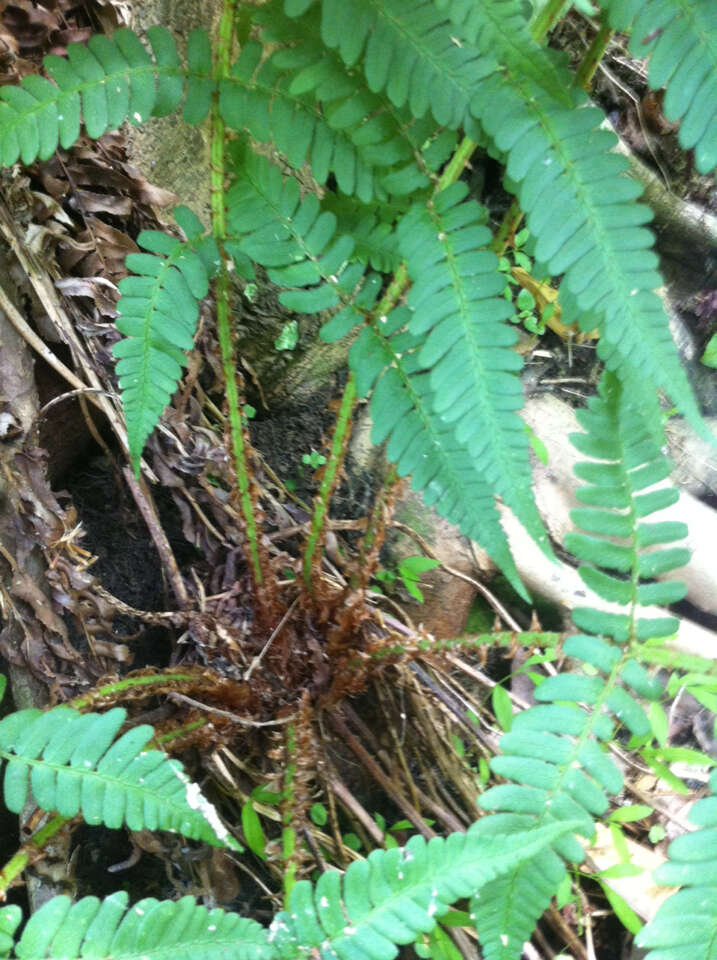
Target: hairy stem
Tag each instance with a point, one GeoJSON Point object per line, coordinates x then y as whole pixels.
{"type": "Point", "coordinates": [331, 472]}
{"type": "Point", "coordinates": [591, 60]}
{"type": "Point", "coordinates": [222, 292]}
{"type": "Point", "coordinates": [394, 292]}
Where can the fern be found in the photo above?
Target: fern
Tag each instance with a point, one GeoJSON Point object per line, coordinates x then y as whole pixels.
{"type": "Point", "coordinates": [349, 132]}
{"type": "Point", "coordinates": [582, 212]}
{"type": "Point", "coordinates": [681, 42]}
{"type": "Point", "coordinates": [419, 442]}
{"type": "Point", "coordinates": [388, 899]}
{"type": "Point", "coordinates": [74, 764]}
{"type": "Point", "coordinates": [158, 313]}
{"type": "Point", "coordinates": [151, 929]}
{"type": "Point", "coordinates": [553, 751]}
{"type": "Point", "coordinates": [465, 343]}
{"type": "Point", "coordinates": [685, 926]}
{"type": "Point", "coordinates": [294, 239]}
{"type": "Point", "coordinates": [499, 28]}
{"type": "Point", "coordinates": [409, 51]}
{"type": "Point", "coordinates": [103, 84]}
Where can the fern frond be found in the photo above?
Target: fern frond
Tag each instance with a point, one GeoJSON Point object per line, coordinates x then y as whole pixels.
{"type": "Point", "coordinates": [685, 925]}
{"type": "Point", "coordinates": [581, 209]}
{"type": "Point", "coordinates": [499, 28]}
{"type": "Point", "coordinates": [110, 80]}
{"type": "Point", "coordinates": [304, 100]}
{"type": "Point", "coordinates": [74, 763]}
{"type": "Point", "coordinates": [388, 899]}
{"type": "Point", "coordinates": [505, 912]}
{"type": "Point", "coordinates": [153, 929]}
{"type": "Point", "coordinates": [376, 243]}
{"type": "Point", "coordinates": [395, 895]}
{"type": "Point", "coordinates": [553, 752]}
{"type": "Point", "coordinates": [409, 50]}
{"type": "Point", "coordinates": [457, 313]}
{"type": "Point", "coordinates": [420, 442]}
{"type": "Point", "coordinates": [158, 313]}
{"type": "Point", "coordinates": [680, 38]}
{"type": "Point", "coordinates": [294, 239]}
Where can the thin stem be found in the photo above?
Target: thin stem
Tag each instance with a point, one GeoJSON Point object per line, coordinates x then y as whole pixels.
{"type": "Point", "coordinates": [330, 474]}
{"type": "Point", "coordinates": [222, 291]}
{"type": "Point", "coordinates": [510, 223]}
{"type": "Point", "coordinates": [394, 292]}
{"type": "Point", "coordinates": [288, 834]}
{"type": "Point", "coordinates": [16, 864]}
{"type": "Point", "coordinates": [591, 61]}
{"type": "Point", "coordinates": [546, 19]}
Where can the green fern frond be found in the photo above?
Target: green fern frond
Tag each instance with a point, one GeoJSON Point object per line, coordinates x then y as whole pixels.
{"type": "Point", "coordinates": [294, 239]}
{"type": "Point", "coordinates": [152, 929]}
{"type": "Point", "coordinates": [553, 752]}
{"type": "Point", "coordinates": [506, 911]}
{"type": "Point", "coordinates": [302, 98]}
{"type": "Point", "coordinates": [388, 899]}
{"type": "Point", "coordinates": [680, 38]}
{"type": "Point", "coordinates": [457, 313]}
{"type": "Point", "coordinates": [581, 209]}
{"type": "Point", "coordinates": [685, 926]}
{"type": "Point", "coordinates": [499, 28]}
{"type": "Point", "coordinates": [395, 895]}
{"type": "Point", "coordinates": [158, 313]}
{"type": "Point", "coordinates": [421, 443]}
{"type": "Point", "coordinates": [376, 243]}
{"type": "Point", "coordinates": [410, 51]}
{"type": "Point", "coordinates": [110, 80]}
{"type": "Point", "coordinates": [74, 763]}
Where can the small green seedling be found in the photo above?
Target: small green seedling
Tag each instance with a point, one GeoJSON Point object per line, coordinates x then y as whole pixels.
{"type": "Point", "coordinates": [313, 459]}
{"type": "Point", "coordinates": [409, 571]}
{"type": "Point", "coordinates": [527, 311]}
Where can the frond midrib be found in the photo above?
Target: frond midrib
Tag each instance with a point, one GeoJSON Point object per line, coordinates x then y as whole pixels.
{"type": "Point", "coordinates": [120, 785]}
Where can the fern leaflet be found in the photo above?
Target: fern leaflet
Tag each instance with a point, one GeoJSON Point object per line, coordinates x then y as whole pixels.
{"type": "Point", "coordinates": [680, 39]}
{"type": "Point", "coordinates": [74, 763]}
{"type": "Point", "coordinates": [351, 132]}
{"type": "Point", "coordinates": [421, 443]}
{"type": "Point", "coordinates": [293, 238]}
{"type": "Point", "coordinates": [506, 911]}
{"type": "Point", "coordinates": [685, 926]}
{"type": "Point", "coordinates": [499, 28]}
{"type": "Point", "coordinates": [582, 212]}
{"type": "Point", "coordinates": [394, 895]}
{"type": "Point", "coordinates": [408, 51]}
